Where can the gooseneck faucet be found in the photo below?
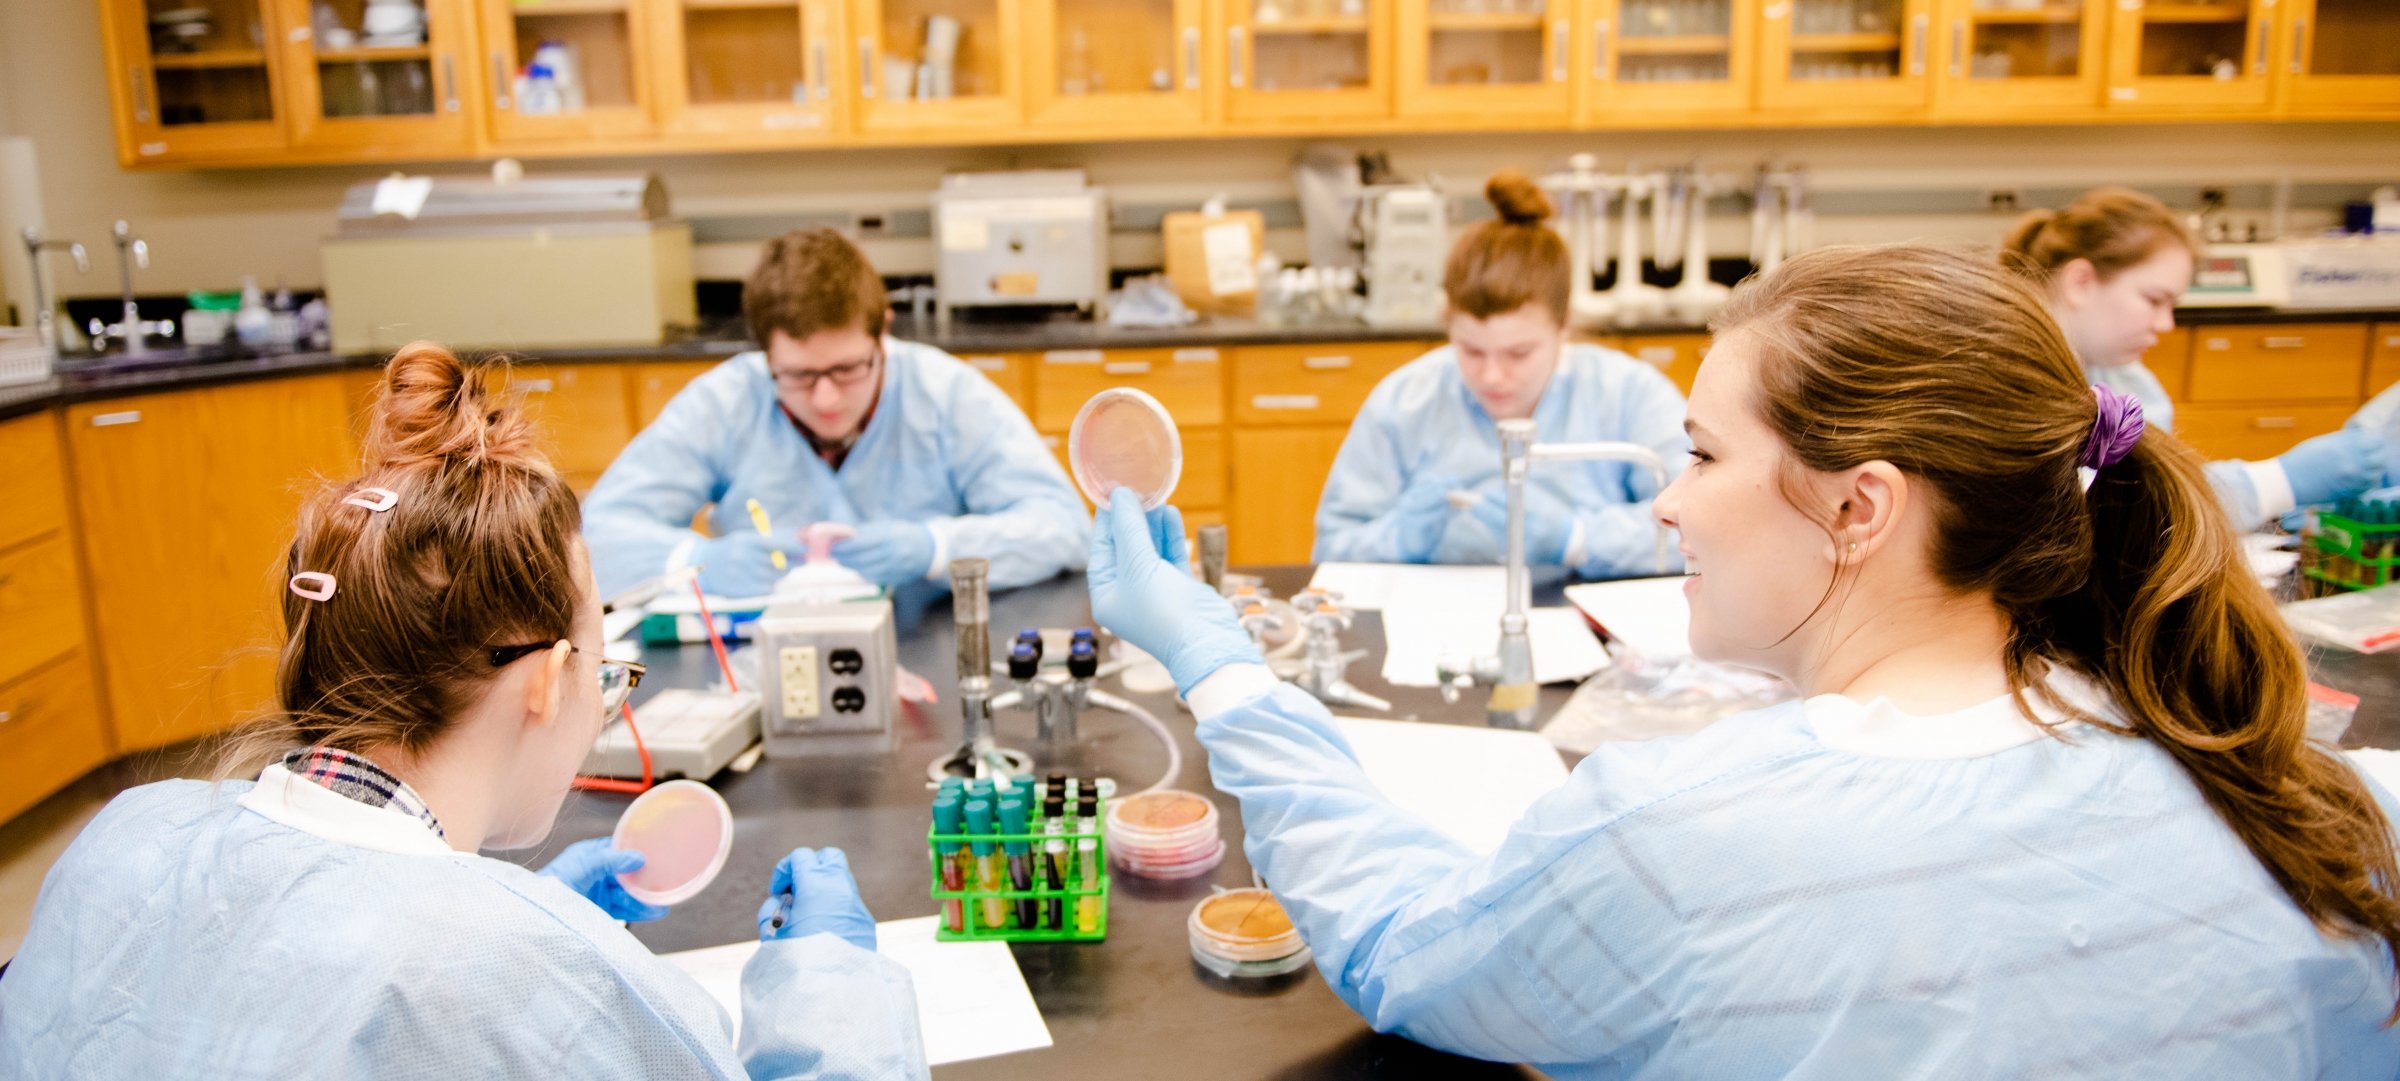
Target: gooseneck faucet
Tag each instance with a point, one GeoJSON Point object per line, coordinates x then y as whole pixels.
{"type": "Point", "coordinates": [45, 321]}
{"type": "Point", "coordinates": [130, 328]}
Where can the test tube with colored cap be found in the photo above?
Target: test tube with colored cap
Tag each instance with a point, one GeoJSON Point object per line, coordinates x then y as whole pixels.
{"type": "Point", "coordinates": [1020, 858]}
{"type": "Point", "coordinates": [1087, 861]}
{"type": "Point", "coordinates": [948, 816]}
{"type": "Point", "coordinates": [987, 863]}
{"type": "Point", "coordinates": [1054, 859]}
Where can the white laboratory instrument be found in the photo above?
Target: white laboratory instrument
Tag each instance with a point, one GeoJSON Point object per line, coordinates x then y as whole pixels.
{"type": "Point", "coordinates": [2338, 272]}
{"type": "Point", "coordinates": [1037, 237]}
{"type": "Point", "coordinates": [1405, 229]}
{"type": "Point", "coordinates": [1781, 223]}
{"type": "Point", "coordinates": [1695, 299]}
{"type": "Point", "coordinates": [1632, 301]}
{"type": "Point", "coordinates": [1582, 193]}
{"type": "Point", "coordinates": [827, 677]}
{"type": "Point", "coordinates": [688, 734]}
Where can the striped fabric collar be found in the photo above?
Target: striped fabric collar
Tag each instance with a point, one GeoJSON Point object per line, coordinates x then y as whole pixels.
{"type": "Point", "coordinates": [352, 776]}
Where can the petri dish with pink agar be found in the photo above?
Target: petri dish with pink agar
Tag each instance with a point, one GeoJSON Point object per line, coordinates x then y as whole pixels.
{"type": "Point", "coordinates": [684, 831]}
{"type": "Point", "coordinates": [1122, 438]}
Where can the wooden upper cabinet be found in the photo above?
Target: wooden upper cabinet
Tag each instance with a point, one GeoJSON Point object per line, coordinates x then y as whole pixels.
{"type": "Point", "coordinates": [191, 89]}
{"type": "Point", "coordinates": [567, 70]}
{"type": "Point", "coordinates": [2342, 57]}
{"type": "Point", "coordinates": [1846, 58]}
{"type": "Point", "coordinates": [397, 88]}
{"type": "Point", "coordinates": [1295, 64]}
{"type": "Point", "coordinates": [1121, 67]}
{"type": "Point", "coordinates": [2021, 57]}
{"type": "Point", "coordinates": [1660, 62]}
{"type": "Point", "coordinates": [748, 71]}
{"type": "Point", "coordinates": [2186, 55]}
{"type": "Point", "coordinates": [1499, 60]}
{"type": "Point", "coordinates": [937, 66]}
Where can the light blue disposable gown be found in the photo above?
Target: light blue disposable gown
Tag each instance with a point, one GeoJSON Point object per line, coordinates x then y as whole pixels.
{"type": "Point", "coordinates": [185, 935]}
{"type": "Point", "coordinates": [1423, 421]}
{"type": "Point", "coordinates": [1814, 890]}
{"type": "Point", "coordinates": [945, 447]}
{"type": "Point", "coordinates": [2236, 482]}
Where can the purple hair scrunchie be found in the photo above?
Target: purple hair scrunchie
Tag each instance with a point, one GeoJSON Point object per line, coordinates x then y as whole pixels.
{"type": "Point", "coordinates": [2114, 431]}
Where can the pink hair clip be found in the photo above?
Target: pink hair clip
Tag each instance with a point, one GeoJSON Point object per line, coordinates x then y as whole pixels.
{"type": "Point", "coordinates": [313, 585]}
{"type": "Point", "coordinates": [377, 500]}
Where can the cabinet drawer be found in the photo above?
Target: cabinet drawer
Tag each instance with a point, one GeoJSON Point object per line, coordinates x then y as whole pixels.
{"type": "Point", "coordinates": [50, 732]}
{"type": "Point", "coordinates": [39, 606]}
{"type": "Point", "coordinates": [2254, 432]}
{"type": "Point", "coordinates": [1313, 384]}
{"type": "Point", "coordinates": [2296, 362]}
{"type": "Point", "coordinates": [578, 411]}
{"type": "Point", "coordinates": [1675, 355]}
{"type": "Point", "coordinates": [2383, 361]}
{"type": "Point", "coordinates": [1203, 480]}
{"type": "Point", "coordinates": [2171, 361]}
{"type": "Point", "coordinates": [1189, 382]}
{"type": "Point", "coordinates": [33, 483]}
{"type": "Point", "coordinates": [1012, 373]}
{"type": "Point", "coordinates": [657, 383]}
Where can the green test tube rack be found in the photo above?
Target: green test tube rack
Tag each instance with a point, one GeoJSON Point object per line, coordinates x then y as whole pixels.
{"type": "Point", "coordinates": [2354, 546]}
{"type": "Point", "coordinates": [971, 899]}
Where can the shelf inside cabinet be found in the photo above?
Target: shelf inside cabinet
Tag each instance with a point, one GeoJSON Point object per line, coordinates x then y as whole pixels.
{"type": "Point", "coordinates": [214, 58]}
{"type": "Point", "coordinates": [1845, 43]}
{"type": "Point", "coordinates": [1674, 45]}
{"type": "Point", "coordinates": [2195, 13]}
{"type": "Point", "coordinates": [568, 7]}
{"type": "Point", "coordinates": [1331, 25]}
{"type": "Point", "coordinates": [2055, 13]}
{"type": "Point", "coordinates": [371, 54]}
{"type": "Point", "coordinates": [1484, 20]}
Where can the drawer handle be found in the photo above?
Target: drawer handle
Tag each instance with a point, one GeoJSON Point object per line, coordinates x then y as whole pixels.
{"type": "Point", "coordinates": [1326, 364]}
{"type": "Point", "coordinates": [2275, 422]}
{"type": "Point", "coordinates": [1202, 355]}
{"type": "Point", "coordinates": [1071, 356]}
{"type": "Point", "coordinates": [1657, 355]}
{"type": "Point", "coordinates": [2284, 343]}
{"type": "Point", "coordinates": [1284, 401]}
{"type": "Point", "coordinates": [111, 420]}
{"type": "Point", "coordinates": [990, 364]}
{"type": "Point", "coordinates": [535, 386]}
{"type": "Point", "coordinates": [1126, 367]}
{"type": "Point", "coordinates": [2217, 345]}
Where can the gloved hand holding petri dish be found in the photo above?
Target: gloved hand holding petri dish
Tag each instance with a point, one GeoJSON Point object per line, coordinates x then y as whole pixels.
{"type": "Point", "coordinates": [1123, 438]}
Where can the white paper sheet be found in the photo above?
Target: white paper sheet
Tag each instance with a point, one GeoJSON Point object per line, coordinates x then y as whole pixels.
{"type": "Point", "coordinates": [1470, 783]}
{"type": "Point", "coordinates": [1370, 587]}
{"type": "Point", "coordinates": [1417, 637]}
{"type": "Point", "coordinates": [1648, 614]}
{"type": "Point", "coordinates": [972, 1001]}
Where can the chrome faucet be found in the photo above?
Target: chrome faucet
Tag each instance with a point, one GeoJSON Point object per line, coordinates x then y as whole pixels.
{"type": "Point", "coordinates": [1509, 671]}
{"type": "Point", "coordinates": [45, 321]}
{"type": "Point", "coordinates": [130, 328]}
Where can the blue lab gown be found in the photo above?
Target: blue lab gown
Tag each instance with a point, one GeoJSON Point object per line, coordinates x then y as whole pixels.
{"type": "Point", "coordinates": [2250, 492]}
{"type": "Point", "coordinates": [187, 934]}
{"type": "Point", "coordinates": [1820, 889]}
{"type": "Point", "coordinates": [945, 447]}
{"type": "Point", "coordinates": [1422, 421]}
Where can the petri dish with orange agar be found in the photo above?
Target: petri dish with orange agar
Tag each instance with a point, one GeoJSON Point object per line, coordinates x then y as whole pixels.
{"type": "Point", "coordinates": [1164, 834]}
{"type": "Point", "coordinates": [1123, 438]}
{"type": "Point", "coordinates": [1246, 933]}
{"type": "Point", "coordinates": [684, 830]}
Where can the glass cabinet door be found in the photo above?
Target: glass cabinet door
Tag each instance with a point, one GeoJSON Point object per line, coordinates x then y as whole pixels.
{"type": "Point", "coordinates": [1665, 61]}
{"type": "Point", "coordinates": [566, 69]}
{"type": "Point", "coordinates": [2345, 55]}
{"type": "Point", "coordinates": [377, 73]}
{"type": "Point", "coordinates": [191, 78]}
{"type": "Point", "coordinates": [2168, 53]}
{"type": "Point", "coordinates": [1823, 54]}
{"type": "Point", "coordinates": [2011, 55]}
{"type": "Point", "coordinates": [1487, 58]}
{"type": "Point", "coordinates": [746, 67]}
{"type": "Point", "coordinates": [933, 65]}
{"type": "Point", "coordinates": [1130, 66]}
{"type": "Point", "coordinates": [1306, 60]}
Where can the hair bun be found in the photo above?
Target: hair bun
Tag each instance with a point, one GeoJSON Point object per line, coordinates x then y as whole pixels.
{"type": "Point", "coordinates": [433, 406]}
{"type": "Point", "coordinates": [2027, 229]}
{"type": "Point", "coordinates": [1519, 200]}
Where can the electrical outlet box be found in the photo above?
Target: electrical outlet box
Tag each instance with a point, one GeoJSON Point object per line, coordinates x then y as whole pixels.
{"type": "Point", "coordinates": [829, 673]}
{"type": "Point", "coordinates": [798, 667]}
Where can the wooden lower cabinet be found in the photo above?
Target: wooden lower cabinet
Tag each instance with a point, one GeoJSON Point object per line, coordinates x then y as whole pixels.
{"type": "Point", "coordinates": [1278, 474]}
{"type": "Point", "coordinates": [50, 731]}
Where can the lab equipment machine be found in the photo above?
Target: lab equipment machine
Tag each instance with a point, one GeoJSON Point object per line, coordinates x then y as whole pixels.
{"type": "Point", "coordinates": [826, 677]}
{"type": "Point", "coordinates": [2343, 272]}
{"type": "Point", "coordinates": [1404, 231]}
{"type": "Point", "coordinates": [1032, 238]}
{"type": "Point", "coordinates": [688, 734]}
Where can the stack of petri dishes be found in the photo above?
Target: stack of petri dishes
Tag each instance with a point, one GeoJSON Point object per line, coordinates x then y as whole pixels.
{"type": "Point", "coordinates": [1245, 934]}
{"type": "Point", "coordinates": [1164, 834]}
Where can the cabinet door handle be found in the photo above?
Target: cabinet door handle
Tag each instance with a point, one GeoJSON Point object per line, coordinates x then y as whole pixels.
{"type": "Point", "coordinates": [866, 67]}
{"type": "Point", "coordinates": [2259, 66]}
{"type": "Point", "coordinates": [1916, 43]}
{"type": "Point", "coordinates": [2292, 342]}
{"type": "Point", "coordinates": [2275, 422]}
{"type": "Point", "coordinates": [1191, 58]}
{"type": "Point", "coordinates": [816, 54]}
{"type": "Point", "coordinates": [1325, 364]}
{"type": "Point", "coordinates": [141, 93]}
{"type": "Point", "coordinates": [1233, 57]}
{"type": "Point", "coordinates": [111, 420]}
{"type": "Point", "coordinates": [1558, 50]}
{"type": "Point", "coordinates": [500, 81]}
{"type": "Point", "coordinates": [2300, 45]}
{"type": "Point", "coordinates": [449, 85]}
{"type": "Point", "coordinates": [1600, 49]}
{"type": "Point", "coordinates": [1126, 367]}
{"type": "Point", "coordinates": [535, 386]}
{"type": "Point", "coordinates": [1958, 49]}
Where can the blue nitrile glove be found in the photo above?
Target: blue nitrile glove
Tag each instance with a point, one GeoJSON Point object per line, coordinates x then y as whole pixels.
{"type": "Point", "coordinates": [1143, 590]}
{"type": "Point", "coordinates": [888, 553]}
{"type": "Point", "coordinates": [812, 891]}
{"type": "Point", "coordinates": [1420, 515]}
{"type": "Point", "coordinates": [741, 563]}
{"type": "Point", "coordinates": [591, 868]}
{"type": "Point", "coordinates": [1549, 522]}
{"type": "Point", "coordinates": [2334, 466]}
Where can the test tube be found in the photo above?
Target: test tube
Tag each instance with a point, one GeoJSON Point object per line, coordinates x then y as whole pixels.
{"type": "Point", "coordinates": [1087, 861]}
{"type": "Point", "coordinates": [1020, 859]}
{"type": "Point", "coordinates": [987, 863]}
{"type": "Point", "coordinates": [948, 816]}
{"type": "Point", "coordinates": [1212, 556]}
{"type": "Point", "coordinates": [1054, 857]}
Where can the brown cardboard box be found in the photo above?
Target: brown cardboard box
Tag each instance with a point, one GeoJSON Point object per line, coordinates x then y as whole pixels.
{"type": "Point", "coordinates": [1230, 285]}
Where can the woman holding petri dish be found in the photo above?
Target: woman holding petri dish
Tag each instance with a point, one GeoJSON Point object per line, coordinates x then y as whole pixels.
{"type": "Point", "coordinates": [440, 681]}
{"type": "Point", "coordinates": [1418, 478]}
{"type": "Point", "coordinates": [2045, 807]}
{"type": "Point", "coordinates": [2112, 264]}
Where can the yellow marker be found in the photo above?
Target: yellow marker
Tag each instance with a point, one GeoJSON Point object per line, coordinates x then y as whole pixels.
{"type": "Point", "coordinates": [758, 517]}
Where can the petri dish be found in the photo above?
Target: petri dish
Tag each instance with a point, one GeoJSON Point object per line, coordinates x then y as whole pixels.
{"type": "Point", "coordinates": [684, 831]}
{"type": "Point", "coordinates": [1164, 811]}
{"type": "Point", "coordinates": [1122, 438]}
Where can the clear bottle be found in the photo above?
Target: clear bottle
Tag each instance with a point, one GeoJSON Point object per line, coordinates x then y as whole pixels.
{"type": "Point", "coordinates": [1075, 68]}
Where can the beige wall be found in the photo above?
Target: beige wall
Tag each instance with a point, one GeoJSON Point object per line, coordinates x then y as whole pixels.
{"type": "Point", "coordinates": [209, 228]}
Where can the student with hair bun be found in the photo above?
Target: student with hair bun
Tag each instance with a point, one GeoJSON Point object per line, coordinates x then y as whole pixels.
{"type": "Point", "coordinates": [440, 680]}
{"type": "Point", "coordinates": [1426, 440]}
{"type": "Point", "coordinates": [2112, 264]}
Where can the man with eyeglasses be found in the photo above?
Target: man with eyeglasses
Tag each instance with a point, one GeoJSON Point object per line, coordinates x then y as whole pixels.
{"type": "Point", "coordinates": [831, 421]}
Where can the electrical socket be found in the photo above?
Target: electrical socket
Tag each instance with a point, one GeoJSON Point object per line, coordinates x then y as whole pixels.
{"type": "Point", "coordinates": [2003, 200]}
{"type": "Point", "coordinates": [799, 670]}
{"type": "Point", "coordinates": [871, 224]}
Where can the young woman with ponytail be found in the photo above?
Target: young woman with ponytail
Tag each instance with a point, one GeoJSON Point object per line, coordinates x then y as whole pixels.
{"type": "Point", "coordinates": [2045, 808]}
{"type": "Point", "coordinates": [441, 679]}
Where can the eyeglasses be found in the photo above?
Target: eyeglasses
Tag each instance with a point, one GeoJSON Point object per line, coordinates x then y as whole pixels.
{"type": "Point", "coordinates": [843, 375]}
{"type": "Point", "coordinates": [617, 678]}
